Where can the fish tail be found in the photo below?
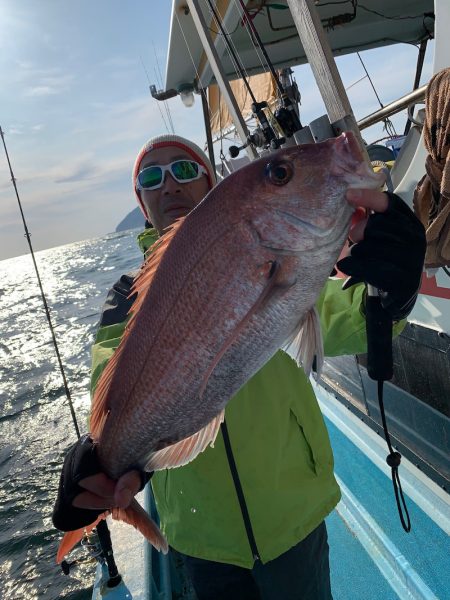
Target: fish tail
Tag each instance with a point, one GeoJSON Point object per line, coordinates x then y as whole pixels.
{"type": "Point", "coordinates": [135, 515]}
{"type": "Point", "coordinates": [71, 538]}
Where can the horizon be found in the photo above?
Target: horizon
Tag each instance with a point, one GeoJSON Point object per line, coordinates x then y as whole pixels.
{"type": "Point", "coordinates": [76, 108]}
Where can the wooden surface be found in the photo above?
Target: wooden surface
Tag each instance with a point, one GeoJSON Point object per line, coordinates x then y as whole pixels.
{"type": "Point", "coordinates": [320, 58]}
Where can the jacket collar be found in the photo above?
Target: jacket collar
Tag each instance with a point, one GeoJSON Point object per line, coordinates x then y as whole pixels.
{"type": "Point", "coordinates": [147, 238]}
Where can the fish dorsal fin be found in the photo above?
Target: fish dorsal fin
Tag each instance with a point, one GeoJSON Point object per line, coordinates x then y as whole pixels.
{"type": "Point", "coordinates": [145, 276]}
{"type": "Point", "coordinates": [185, 450]}
{"type": "Point", "coordinates": [306, 342]}
{"type": "Point", "coordinates": [141, 284]}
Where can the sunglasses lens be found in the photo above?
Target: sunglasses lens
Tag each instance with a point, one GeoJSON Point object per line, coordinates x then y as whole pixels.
{"type": "Point", "coordinates": [185, 170]}
{"type": "Point", "coordinates": [150, 177]}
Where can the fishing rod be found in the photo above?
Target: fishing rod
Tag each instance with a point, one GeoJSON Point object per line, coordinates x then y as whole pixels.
{"type": "Point", "coordinates": [44, 299]}
{"type": "Point", "coordinates": [286, 115]}
{"type": "Point", "coordinates": [257, 107]}
{"type": "Point", "coordinates": [102, 527]}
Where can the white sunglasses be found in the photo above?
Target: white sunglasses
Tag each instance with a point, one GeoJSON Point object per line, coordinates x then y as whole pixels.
{"type": "Point", "coordinates": [183, 171]}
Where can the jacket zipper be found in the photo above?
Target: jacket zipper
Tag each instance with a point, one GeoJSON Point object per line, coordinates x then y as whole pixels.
{"type": "Point", "coordinates": [239, 492]}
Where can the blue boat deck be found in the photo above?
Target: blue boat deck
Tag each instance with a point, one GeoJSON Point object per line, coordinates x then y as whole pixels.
{"type": "Point", "coordinates": [353, 573]}
{"type": "Point", "coordinates": [371, 557]}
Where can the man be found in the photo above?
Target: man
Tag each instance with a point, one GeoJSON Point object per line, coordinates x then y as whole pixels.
{"type": "Point", "coordinates": [248, 515]}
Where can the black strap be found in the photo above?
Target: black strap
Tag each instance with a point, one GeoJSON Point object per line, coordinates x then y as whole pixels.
{"type": "Point", "coordinates": [380, 368]}
{"type": "Point", "coordinates": [393, 460]}
{"type": "Point", "coordinates": [239, 491]}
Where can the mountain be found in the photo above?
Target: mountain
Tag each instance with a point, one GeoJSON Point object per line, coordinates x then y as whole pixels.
{"type": "Point", "coordinates": [133, 220]}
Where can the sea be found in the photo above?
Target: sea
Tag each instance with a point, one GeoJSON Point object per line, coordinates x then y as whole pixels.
{"type": "Point", "coordinates": [36, 426]}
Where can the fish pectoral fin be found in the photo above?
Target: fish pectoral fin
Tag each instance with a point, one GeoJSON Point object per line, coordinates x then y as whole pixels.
{"type": "Point", "coordinates": [271, 272]}
{"type": "Point", "coordinates": [306, 342]}
{"type": "Point", "coordinates": [71, 538]}
{"type": "Point", "coordinates": [186, 450]}
{"type": "Point", "coordinates": [135, 515]}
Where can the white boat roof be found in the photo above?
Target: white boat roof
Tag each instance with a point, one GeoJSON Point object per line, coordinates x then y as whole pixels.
{"type": "Point", "coordinates": [371, 24]}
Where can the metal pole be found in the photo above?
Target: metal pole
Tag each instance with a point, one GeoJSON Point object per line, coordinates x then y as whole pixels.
{"type": "Point", "coordinates": [222, 81]}
{"type": "Point", "coordinates": [208, 131]}
{"type": "Point", "coordinates": [419, 67]}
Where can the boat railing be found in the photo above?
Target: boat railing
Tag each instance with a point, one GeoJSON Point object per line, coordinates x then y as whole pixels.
{"type": "Point", "coordinates": [415, 97]}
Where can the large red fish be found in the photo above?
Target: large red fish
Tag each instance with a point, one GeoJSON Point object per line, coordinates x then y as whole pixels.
{"type": "Point", "coordinates": [221, 292]}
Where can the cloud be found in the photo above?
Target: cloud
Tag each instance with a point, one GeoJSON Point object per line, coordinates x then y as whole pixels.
{"type": "Point", "coordinates": [41, 189]}
{"type": "Point", "coordinates": [118, 62]}
{"type": "Point", "coordinates": [83, 172]}
{"type": "Point", "coordinates": [43, 82]}
{"type": "Point", "coordinates": [24, 64]}
{"type": "Point", "coordinates": [42, 90]}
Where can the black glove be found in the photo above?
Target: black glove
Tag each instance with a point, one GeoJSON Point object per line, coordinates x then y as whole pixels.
{"type": "Point", "coordinates": [81, 461]}
{"type": "Point", "coordinates": [390, 257]}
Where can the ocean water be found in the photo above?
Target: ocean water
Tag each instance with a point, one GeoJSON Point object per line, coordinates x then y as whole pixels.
{"type": "Point", "coordinates": [36, 427]}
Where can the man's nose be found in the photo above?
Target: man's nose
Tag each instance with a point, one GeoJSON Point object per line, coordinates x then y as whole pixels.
{"type": "Point", "coordinates": [170, 184]}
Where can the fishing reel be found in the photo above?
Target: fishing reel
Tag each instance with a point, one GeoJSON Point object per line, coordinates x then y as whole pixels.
{"type": "Point", "coordinates": [260, 138]}
{"type": "Point", "coordinates": [270, 139]}
{"type": "Point", "coordinates": [287, 118]}
{"type": "Point", "coordinates": [257, 138]}
{"type": "Point", "coordinates": [98, 545]}
{"type": "Point", "coordinates": [264, 136]}
{"type": "Point", "coordinates": [91, 549]}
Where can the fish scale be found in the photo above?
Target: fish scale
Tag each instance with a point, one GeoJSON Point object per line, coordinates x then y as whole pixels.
{"type": "Point", "coordinates": [181, 350]}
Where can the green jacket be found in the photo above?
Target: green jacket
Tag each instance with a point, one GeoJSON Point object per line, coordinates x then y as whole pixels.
{"type": "Point", "coordinates": [279, 443]}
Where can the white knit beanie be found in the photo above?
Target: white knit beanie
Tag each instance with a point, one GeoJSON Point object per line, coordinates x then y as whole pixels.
{"type": "Point", "coordinates": [160, 141]}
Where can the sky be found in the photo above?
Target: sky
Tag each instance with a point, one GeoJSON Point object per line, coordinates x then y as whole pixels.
{"type": "Point", "coordinates": [75, 109]}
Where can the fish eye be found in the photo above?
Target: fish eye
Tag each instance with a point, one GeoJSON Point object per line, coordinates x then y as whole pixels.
{"type": "Point", "coordinates": [279, 172]}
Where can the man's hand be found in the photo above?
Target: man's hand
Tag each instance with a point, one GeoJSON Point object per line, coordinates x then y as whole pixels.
{"type": "Point", "coordinates": [389, 251]}
{"type": "Point", "coordinates": [364, 202]}
{"type": "Point", "coordinates": [104, 493]}
{"type": "Point", "coordinates": [85, 492]}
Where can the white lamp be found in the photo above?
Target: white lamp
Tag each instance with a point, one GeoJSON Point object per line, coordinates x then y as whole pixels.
{"type": "Point", "coordinates": [186, 91]}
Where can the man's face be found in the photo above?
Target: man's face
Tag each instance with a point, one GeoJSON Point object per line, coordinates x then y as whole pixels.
{"type": "Point", "coordinates": [172, 200]}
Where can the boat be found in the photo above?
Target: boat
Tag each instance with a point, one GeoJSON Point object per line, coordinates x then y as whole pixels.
{"type": "Point", "coordinates": [377, 559]}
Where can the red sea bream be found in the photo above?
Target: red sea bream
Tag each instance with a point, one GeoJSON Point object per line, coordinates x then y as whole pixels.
{"type": "Point", "coordinates": [220, 293]}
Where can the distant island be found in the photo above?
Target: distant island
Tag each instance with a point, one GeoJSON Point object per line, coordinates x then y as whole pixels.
{"type": "Point", "coordinates": [133, 220]}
